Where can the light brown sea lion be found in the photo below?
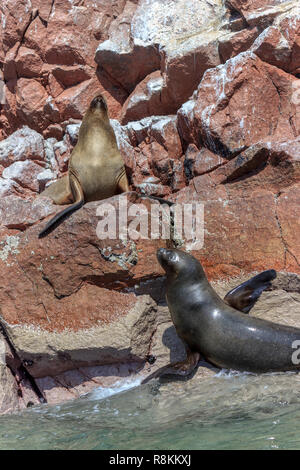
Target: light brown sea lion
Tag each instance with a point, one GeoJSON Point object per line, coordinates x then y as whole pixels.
{"type": "Point", "coordinates": [96, 168]}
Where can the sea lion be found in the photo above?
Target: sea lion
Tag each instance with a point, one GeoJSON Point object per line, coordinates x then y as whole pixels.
{"type": "Point", "coordinates": [96, 168]}
{"type": "Point", "coordinates": [222, 335]}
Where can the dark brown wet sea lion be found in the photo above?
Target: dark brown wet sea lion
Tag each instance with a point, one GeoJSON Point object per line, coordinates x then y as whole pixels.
{"type": "Point", "coordinates": [222, 335]}
{"type": "Point", "coordinates": [96, 168]}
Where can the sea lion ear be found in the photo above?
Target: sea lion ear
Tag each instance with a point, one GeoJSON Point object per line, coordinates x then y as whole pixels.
{"type": "Point", "coordinates": [244, 296]}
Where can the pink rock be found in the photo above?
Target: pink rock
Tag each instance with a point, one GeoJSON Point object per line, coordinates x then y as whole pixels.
{"type": "Point", "coordinates": [185, 116]}
{"type": "Point", "coordinates": [55, 131]}
{"type": "Point", "coordinates": [184, 69]}
{"type": "Point", "coordinates": [72, 75]}
{"type": "Point", "coordinates": [198, 162]}
{"type": "Point", "coordinates": [44, 178]}
{"type": "Point", "coordinates": [145, 100]}
{"type": "Point", "coordinates": [128, 63]}
{"type": "Point", "coordinates": [234, 43]}
{"type": "Point", "coordinates": [53, 391]}
{"type": "Point", "coordinates": [76, 302]}
{"type": "Point", "coordinates": [8, 187]}
{"type": "Point", "coordinates": [242, 102]}
{"type": "Point", "coordinates": [13, 22]}
{"type": "Point", "coordinates": [9, 401]}
{"type": "Point", "coordinates": [53, 47]}
{"type": "Point", "coordinates": [259, 12]}
{"type": "Point", "coordinates": [9, 66]}
{"type": "Point", "coordinates": [55, 87]}
{"type": "Point", "coordinates": [27, 162]}
{"type": "Point", "coordinates": [152, 151]}
{"type": "Point", "coordinates": [18, 213]}
{"type": "Point", "coordinates": [73, 102]}
{"type": "Point", "coordinates": [287, 205]}
{"type": "Point", "coordinates": [241, 206]}
{"type": "Point", "coordinates": [31, 101]}
{"type": "Point", "coordinates": [102, 379]}
{"type": "Point", "coordinates": [25, 173]}
{"type": "Point", "coordinates": [165, 132]}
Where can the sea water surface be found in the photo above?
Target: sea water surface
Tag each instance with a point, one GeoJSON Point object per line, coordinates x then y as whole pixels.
{"type": "Point", "coordinates": [226, 411]}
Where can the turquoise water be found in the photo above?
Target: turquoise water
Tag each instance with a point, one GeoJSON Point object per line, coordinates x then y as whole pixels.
{"type": "Point", "coordinates": [226, 411]}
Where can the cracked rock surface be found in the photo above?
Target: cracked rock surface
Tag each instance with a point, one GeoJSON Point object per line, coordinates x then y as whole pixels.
{"type": "Point", "coordinates": [204, 98]}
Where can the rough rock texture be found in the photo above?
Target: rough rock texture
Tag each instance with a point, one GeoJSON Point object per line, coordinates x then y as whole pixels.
{"type": "Point", "coordinates": [204, 98]}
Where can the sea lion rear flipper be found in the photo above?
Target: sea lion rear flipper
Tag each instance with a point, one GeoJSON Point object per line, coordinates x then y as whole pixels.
{"type": "Point", "coordinates": [244, 296]}
{"type": "Point", "coordinates": [79, 201]}
{"type": "Point", "coordinates": [161, 200]}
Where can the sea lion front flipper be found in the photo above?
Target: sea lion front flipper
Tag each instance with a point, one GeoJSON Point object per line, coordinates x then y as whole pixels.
{"type": "Point", "coordinates": [244, 296]}
{"type": "Point", "coordinates": [161, 200]}
{"type": "Point", "coordinates": [79, 201]}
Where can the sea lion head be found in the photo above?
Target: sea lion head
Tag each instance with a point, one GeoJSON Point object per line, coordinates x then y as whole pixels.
{"type": "Point", "coordinates": [178, 264]}
{"type": "Point", "coordinates": [98, 104]}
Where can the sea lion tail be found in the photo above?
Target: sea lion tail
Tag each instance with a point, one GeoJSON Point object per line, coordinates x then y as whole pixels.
{"type": "Point", "coordinates": [79, 202]}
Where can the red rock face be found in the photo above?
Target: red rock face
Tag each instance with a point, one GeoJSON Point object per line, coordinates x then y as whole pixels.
{"type": "Point", "coordinates": [258, 11]}
{"type": "Point", "coordinates": [244, 203]}
{"type": "Point", "coordinates": [205, 104]}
